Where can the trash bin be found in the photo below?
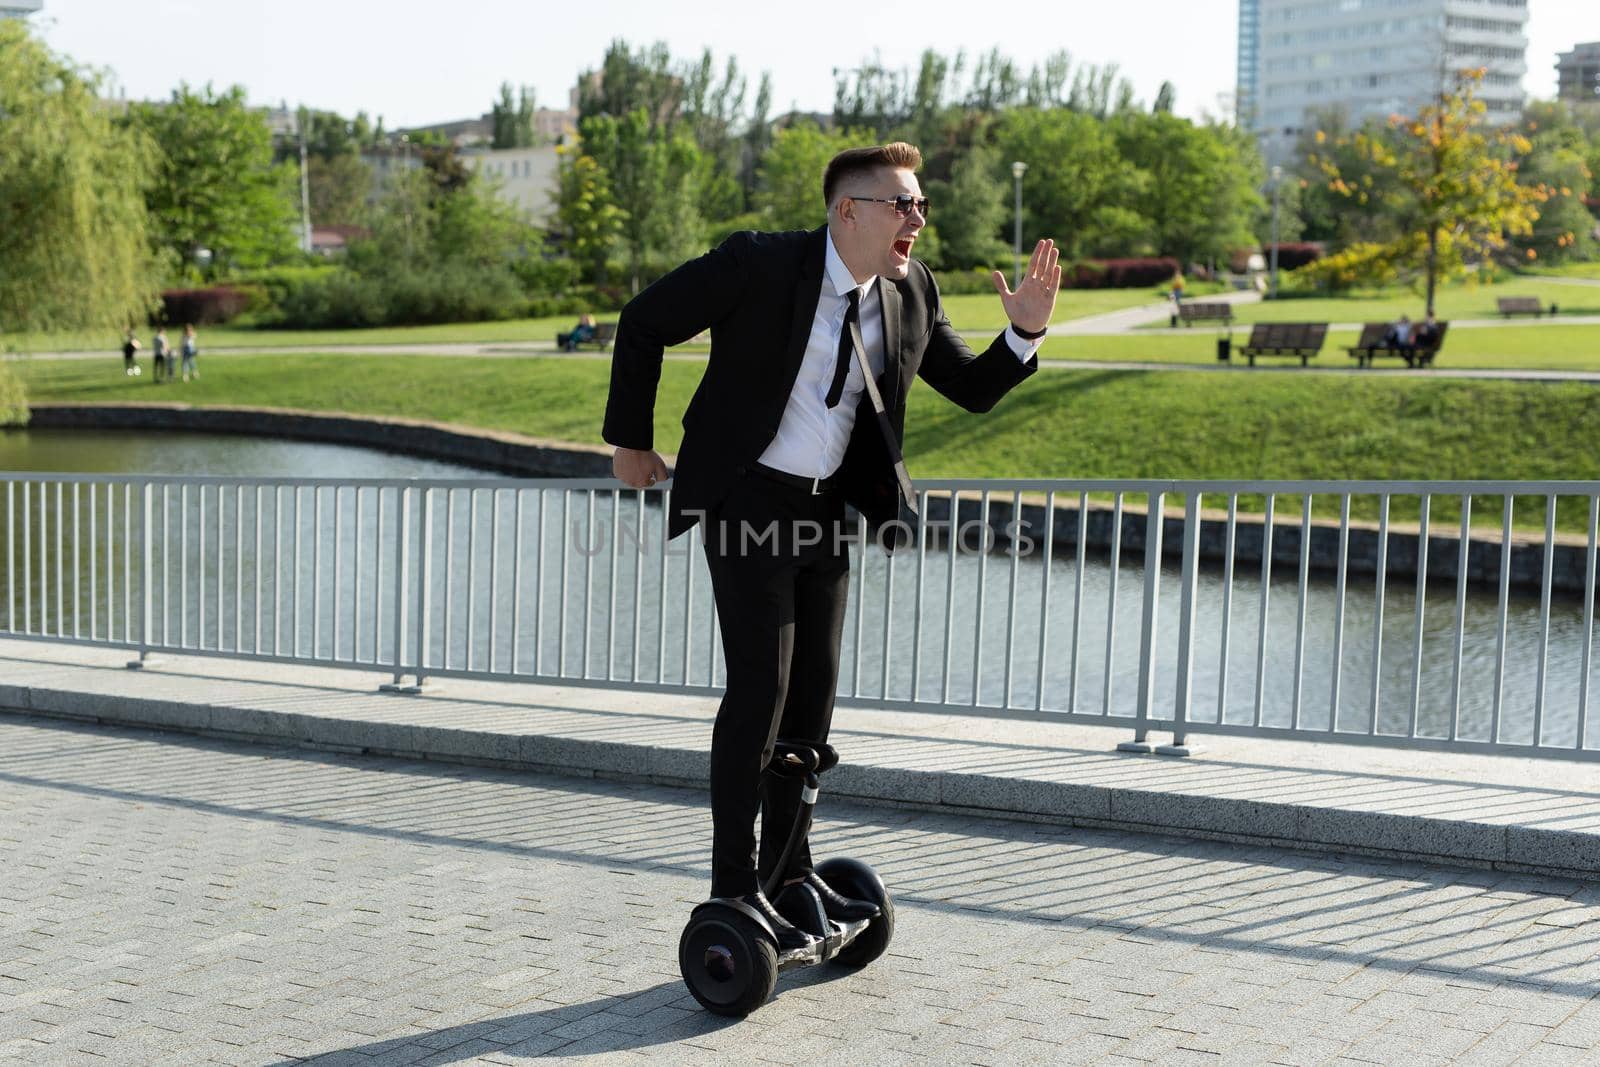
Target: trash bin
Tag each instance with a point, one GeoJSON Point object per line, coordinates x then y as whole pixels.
{"type": "Point", "coordinates": [1224, 345]}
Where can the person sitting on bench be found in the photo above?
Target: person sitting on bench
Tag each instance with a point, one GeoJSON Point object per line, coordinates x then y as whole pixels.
{"type": "Point", "coordinates": [1399, 335]}
{"type": "Point", "coordinates": [1427, 333]}
{"type": "Point", "coordinates": [582, 332]}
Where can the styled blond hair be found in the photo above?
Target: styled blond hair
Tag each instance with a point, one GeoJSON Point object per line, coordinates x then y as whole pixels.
{"type": "Point", "coordinates": [861, 161]}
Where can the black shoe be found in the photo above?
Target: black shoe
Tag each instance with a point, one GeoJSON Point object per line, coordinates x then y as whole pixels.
{"type": "Point", "coordinates": [840, 908]}
{"type": "Point", "coordinates": [790, 937]}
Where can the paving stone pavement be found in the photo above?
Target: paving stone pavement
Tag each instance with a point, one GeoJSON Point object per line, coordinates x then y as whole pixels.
{"type": "Point", "coordinates": [169, 899]}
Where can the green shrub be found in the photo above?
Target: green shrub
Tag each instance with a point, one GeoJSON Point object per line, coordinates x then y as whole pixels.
{"type": "Point", "coordinates": [548, 307]}
{"type": "Point", "coordinates": [974, 282]}
{"type": "Point", "coordinates": [452, 293]}
{"type": "Point", "coordinates": [271, 287]}
{"type": "Point", "coordinates": [414, 296]}
{"type": "Point", "coordinates": [337, 301]}
{"type": "Point", "coordinates": [13, 398]}
{"type": "Point", "coordinates": [545, 277]}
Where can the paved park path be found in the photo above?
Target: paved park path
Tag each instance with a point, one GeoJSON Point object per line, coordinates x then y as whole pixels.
{"type": "Point", "coordinates": [182, 900]}
{"type": "Point", "coordinates": [1113, 323]}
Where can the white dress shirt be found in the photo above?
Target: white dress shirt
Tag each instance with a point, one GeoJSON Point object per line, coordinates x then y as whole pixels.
{"type": "Point", "coordinates": [811, 436]}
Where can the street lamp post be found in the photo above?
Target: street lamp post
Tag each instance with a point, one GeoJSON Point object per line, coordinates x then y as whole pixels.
{"type": "Point", "coordinates": [1277, 182]}
{"type": "Point", "coordinates": [1017, 170]}
{"type": "Point", "coordinates": [305, 185]}
{"type": "Point", "coordinates": [405, 146]}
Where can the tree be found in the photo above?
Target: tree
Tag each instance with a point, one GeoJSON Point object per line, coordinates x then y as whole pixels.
{"type": "Point", "coordinates": [330, 135]}
{"type": "Point", "coordinates": [215, 185]}
{"type": "Point", "coordinates": [654, 175]}
{"type": "Point", "coordinates": [1565, 227]}
{"type": "Point", "coordinates": [1454, 184]}
{"type": "Point", "coordinates": [1166, 98]}
{"type": "Point", "coordinates": [1078, 187]}
{"type": "Point", "coordinates": [711, 111]}
{"type": "Point", "coordinates": [1559, 164]}
{"type": "Point", "coordinates": [1291, 206]}
{"type": "Point", "coordinates": [1325, 214]}
{"type": "Point", "coordinates": [757, 136]}
{"type": "Point", "coordinates": [339, 182]}
{"type": "Point", "coordinates": [586, 215]}
{"type": "Point", "coordinates": [871, 97]}
{"type": "Point", "coordinates": [972, 210]}
{"type": "Point", "coordinates": [512, 119]}
{"type": "Point", "coordinates": [629, 81]}
{"type": "Point", "coordinates": [439, 214]}
{"type": "Point", "coordinates": [339, 189]}
{"type": "Point", "coordinates": [789, 193]}
{"type": "Point", "coordinates": [1201, 195]}
{"type": "Point", "coordinates": [73, 237]}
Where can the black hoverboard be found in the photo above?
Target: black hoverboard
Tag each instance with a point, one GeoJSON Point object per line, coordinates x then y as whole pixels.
{"type": "Point", "coordinates": [729, 954]}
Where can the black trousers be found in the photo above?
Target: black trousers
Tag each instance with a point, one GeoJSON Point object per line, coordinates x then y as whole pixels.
{"type": "Point", "coordinates": [780, 573]}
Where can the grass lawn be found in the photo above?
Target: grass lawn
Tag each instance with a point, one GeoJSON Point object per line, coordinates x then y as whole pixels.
{"type": "Point", "coordinates": [1458, 301]}
{"type": "Point", "coordinates": [1064, 424]}
{"type": "Point", "coordinates": [1570, 270]}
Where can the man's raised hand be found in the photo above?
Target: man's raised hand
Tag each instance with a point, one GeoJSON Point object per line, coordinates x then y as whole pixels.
{"type": "Point", "coordinates": [1030, 307]}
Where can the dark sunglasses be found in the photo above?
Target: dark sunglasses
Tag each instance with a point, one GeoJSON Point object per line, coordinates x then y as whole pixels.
{"type": "Point", "coordinates": [902, 204]}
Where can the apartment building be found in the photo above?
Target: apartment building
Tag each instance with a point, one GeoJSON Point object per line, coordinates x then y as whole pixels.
{"type": "Point", "coordinates": [1371, 58]}
{"type": "Point", "coordinates": [1578, 72]}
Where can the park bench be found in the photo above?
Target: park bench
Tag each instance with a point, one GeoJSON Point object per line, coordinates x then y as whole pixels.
{"type": "Point", "coordinates": [1189, 314]}
{"type": "Point", "coordinates": [1522, 305]}
{"type": "Point", "coordinates": [1302, 339]}
{"type": "Point", "coordinates": [604, 334]}
{"type": "Point", "coordinates": [1374, 341]}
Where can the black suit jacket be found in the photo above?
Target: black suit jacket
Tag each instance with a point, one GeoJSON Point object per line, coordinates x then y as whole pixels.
{"type": "Point", "coordinates": [758, 293]}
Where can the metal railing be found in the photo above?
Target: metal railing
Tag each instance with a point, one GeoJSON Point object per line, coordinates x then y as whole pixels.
{"type": "Point", "coordinates": [1014, 598]}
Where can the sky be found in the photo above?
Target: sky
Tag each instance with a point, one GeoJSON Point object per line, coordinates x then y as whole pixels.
{"type": "Point", "coordinates": [416, 63]}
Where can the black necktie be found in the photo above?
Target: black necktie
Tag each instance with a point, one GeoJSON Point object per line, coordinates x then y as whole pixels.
{"type": "Point", "coordinates": [842, 367]}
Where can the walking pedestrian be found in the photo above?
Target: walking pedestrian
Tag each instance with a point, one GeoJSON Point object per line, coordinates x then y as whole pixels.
{"type": "Point", "coordinates": [163, 355]}
{"type": "Point", "coordinates": [190, 349]}
{"type": "Point", "coordinates": [130, 349]}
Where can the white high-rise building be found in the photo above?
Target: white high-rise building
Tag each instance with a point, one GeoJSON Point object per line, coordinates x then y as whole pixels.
{"type": "Point", "coordinates": [1371, 58]}
{"type": "Point", "coordinates": [17, 9]}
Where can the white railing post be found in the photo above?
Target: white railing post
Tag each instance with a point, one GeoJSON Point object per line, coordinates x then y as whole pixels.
{"type": "Point", "coordinates": [1147, 631]}
{"type": "Point", "coordinates": [424, 559]}
{"type": "Point", "coordinates": [402, 544]}
{"type": "Point", "coordinates": [1189, 582]}
{"type": "Point", "coordinates": [144, 582]}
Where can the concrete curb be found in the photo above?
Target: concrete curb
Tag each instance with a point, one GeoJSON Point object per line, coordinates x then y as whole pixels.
{"type": "Point", "coordinates": [1478, 843]}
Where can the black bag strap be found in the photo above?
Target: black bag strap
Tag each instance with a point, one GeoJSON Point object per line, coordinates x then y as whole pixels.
{"type": "Point", "coordinates": [906, 490]}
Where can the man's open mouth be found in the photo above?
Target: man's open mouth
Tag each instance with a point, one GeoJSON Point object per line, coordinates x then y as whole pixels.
{"type": "Point", "coordinates": [902, 247]}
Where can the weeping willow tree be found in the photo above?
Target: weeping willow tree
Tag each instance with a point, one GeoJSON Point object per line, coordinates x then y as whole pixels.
{"type": "Point", "coordinates": [74, 251]}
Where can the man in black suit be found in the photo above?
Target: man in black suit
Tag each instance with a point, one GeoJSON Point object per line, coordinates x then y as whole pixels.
{"type": "Point", "coordinates": [782, 432]}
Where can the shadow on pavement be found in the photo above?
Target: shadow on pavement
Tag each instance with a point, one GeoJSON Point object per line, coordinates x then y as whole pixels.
{"type": "Point", "coordinates": [561, 1030]}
